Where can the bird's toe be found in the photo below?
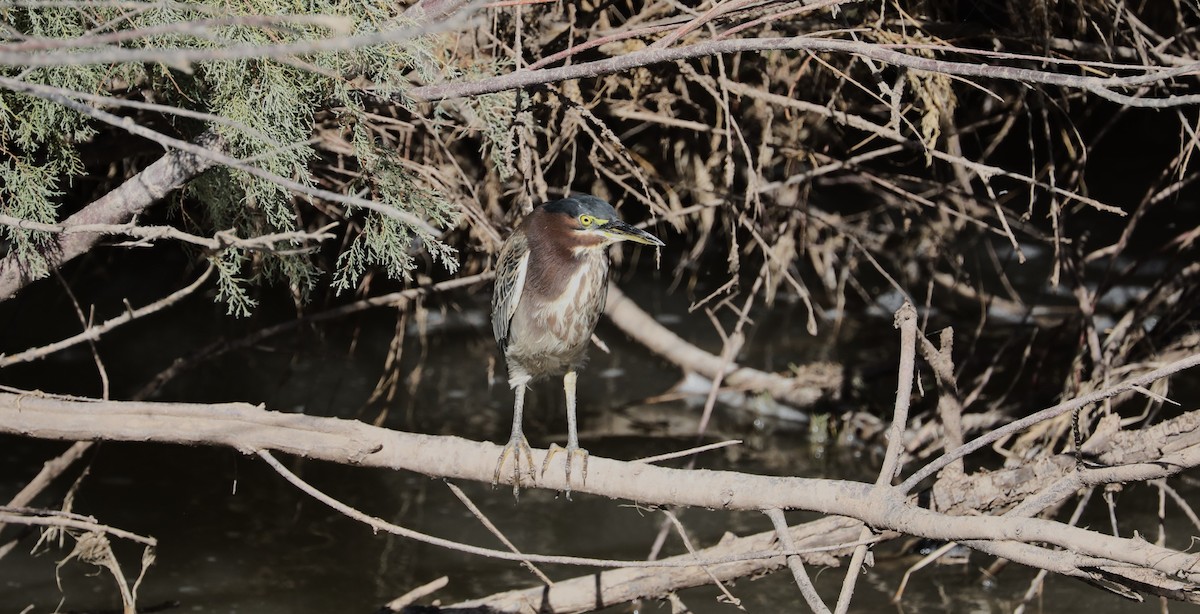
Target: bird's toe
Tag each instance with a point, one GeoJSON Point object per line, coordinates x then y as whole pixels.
{"type": "Point", "coordinates": [571, 452]}
{"type": "Point", "coordinates": [518, 448]}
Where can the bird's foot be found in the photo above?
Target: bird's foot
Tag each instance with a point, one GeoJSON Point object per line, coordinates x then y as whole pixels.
{"type": "Point", "coordinates": [572, 451]}
{"type": "Point", "coordinates": [517, 447]}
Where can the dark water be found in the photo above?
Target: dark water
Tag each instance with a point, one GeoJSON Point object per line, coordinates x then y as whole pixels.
{"type": "Point", "coordinates": [234, 537]}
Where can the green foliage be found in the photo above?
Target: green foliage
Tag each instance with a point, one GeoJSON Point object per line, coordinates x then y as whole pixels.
{"type": "Point", "coordinates": [493, 116]}
{"type": "Point", "coordinates": [494, 119]}
{"type": "Point", "coordinates": [38, 138]}
{"type": "Point", "coordinates": [230, 286]}
{"type": "Point", "coordinates": [384, 240]}
{"type": "Point", "coordinates": [273, 103]}
{"type": "Point", "coordinates": [27, 192]}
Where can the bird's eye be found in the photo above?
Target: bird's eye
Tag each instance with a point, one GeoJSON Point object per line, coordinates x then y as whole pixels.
{"type": "Point", "coordinates": [586, 219]}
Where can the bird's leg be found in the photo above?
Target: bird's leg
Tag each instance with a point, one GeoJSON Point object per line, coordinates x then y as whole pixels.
{"type": "Point", "coordinates": [573, 430]}
{"type": "Point", "coordinates": [572, 448]}
{"type": "Point", "coordinates": [516, 446]}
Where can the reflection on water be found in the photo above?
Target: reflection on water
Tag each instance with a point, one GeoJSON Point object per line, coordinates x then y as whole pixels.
{"type": "Point", "coordinates": [235, 538]}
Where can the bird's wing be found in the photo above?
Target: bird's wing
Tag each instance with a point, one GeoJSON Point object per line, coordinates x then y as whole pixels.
{"type": "Point", "coordinates": [510, 281]}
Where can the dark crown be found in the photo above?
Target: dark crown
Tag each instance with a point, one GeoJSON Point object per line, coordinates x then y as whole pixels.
{"type": "Point", "coordinates": [580, 204]}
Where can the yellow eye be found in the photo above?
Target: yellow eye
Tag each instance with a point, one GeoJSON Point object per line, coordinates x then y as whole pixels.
{"type": "Point", "coordinates": [586, 220]}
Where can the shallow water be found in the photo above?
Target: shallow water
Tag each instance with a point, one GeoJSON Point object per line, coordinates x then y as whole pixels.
{"type": "Point", "coordinates": [234, 537]}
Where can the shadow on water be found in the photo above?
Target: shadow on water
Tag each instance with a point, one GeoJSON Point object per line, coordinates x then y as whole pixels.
{"type": "Point", "coordinates": [234, 537]}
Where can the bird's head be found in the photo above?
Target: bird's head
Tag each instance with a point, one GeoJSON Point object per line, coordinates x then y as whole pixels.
{"type": "Point", "coordinates": [593, 222]}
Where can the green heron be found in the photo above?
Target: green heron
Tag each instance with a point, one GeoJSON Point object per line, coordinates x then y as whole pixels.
{"type": "Point", "coordinates": [551, 283]}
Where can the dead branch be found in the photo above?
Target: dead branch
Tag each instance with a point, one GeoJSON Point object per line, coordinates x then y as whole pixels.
{"type": "Point", "coordinates": [1045, 414]}
{"type": "Point", "coordinates": [808, 386]}
{"type": "Point", "coordinates": [215, 155]}
{"type": "Point", "coordinates": [751, 159]}
{"type": "Point", "coordinates": [1101, 86]}
{"type": "Point", "coordinates": [796, 563]}
{"type": "Point", "coordinates": [981, 493]}
{"type": "Point", "coordinates": [117, 207]}
{"type": "Point", "coordinates": [252, 430]}
{"type": "Point", "coordinates": [824, 539]}
{"type": "Point", "coordinates": [906, 321]}
{"type": "Point", "coordinates": [979, 169]}
{"type": "Point", "coordinates": [183, 59]}
{"type": "Point", "coordinates": [148, 234]}
{"type": "Point", "coordinates": [50, 470]}
{"type": "Point", "coordinates": [92, 333]}
{"type": "Point", "coordinates": [399, 603]}
{"type": "Point", "coordinates": [65, 520]}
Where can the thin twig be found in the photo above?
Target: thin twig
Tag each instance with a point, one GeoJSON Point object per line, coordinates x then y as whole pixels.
{"type": "Point", "coordinates": [398, 604]}
{"type": "Point", "coordinates": [149, 234]}
{"type": "Point", "coordinates": [906, 321]}
{"type": "Point", "coordinates": [50, 469]}
{"type": "Point", "coordinates": [54, 518]}
{"type": "Point", "coordinates": [383, 525]}
{"type": "Point", "coordinates": [494, 530]}
{"type": "Point", "coordinates": [1101, 86]}
{"type": "Point", "coordinates": [687, 543]}
{"type": "Point", "coordinates": [397, 299]}
{"type": "Point", "coordinates": [1036, 584]}
{"type": "Point", "coordinates": [94, 332]}
{"type": "Point", "coordinates": [796, 564]}
{"type": "Point", "coordinates": [688, 452]}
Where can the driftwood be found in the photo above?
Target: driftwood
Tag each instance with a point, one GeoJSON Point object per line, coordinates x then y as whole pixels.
{"type": "Point", "coordinates": [808, 386]}
{"type": "Point", "coordinates": [612, 586]}
{"type": "Point", "coordinates": [1015, 535]}
{"type": "Point", "coordinates": [983, 492]}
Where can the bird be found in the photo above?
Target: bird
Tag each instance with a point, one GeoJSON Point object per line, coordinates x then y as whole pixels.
{"type": "Point", "coordinates": [551, 285]}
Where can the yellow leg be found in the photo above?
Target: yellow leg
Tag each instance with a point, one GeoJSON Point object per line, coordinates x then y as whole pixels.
{"type": "Point", "coordinates": [517, 446]}
{"type": "Point", "coordinates": [572, 448]}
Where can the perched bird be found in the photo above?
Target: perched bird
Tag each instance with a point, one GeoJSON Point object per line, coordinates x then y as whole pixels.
{"type": "Point", "coordinates": [551, 283]}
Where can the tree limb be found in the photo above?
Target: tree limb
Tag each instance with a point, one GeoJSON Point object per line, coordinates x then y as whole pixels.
{"type": "Point", "coordinates": [117, 207]}
{"type": "Point", "coordinates": [1101, 86]}
{"type": "Point", "coordinates": [605, 588]}
{"type": "Point", "coordinates": [250, 429]}
{"type": "Point", "coordinates": [814, 383]}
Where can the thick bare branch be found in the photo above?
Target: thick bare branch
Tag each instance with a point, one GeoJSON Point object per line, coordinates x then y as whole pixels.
{"type": "Point", "coordinates": [815, 383]}
{"type": "Point", "coordinates": [117, 207]}
{"type": "Point", "coordinates": [251, 429]}
{"type": "Point", "coordinates": [583, 593]}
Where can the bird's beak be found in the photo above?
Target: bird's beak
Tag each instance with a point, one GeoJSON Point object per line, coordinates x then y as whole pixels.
{"type": "Point", "coordinates": [620, 231]}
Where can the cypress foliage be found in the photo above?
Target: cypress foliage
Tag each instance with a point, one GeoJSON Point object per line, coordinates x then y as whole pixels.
{"type": "Point", "coordinates": [271, 107]}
